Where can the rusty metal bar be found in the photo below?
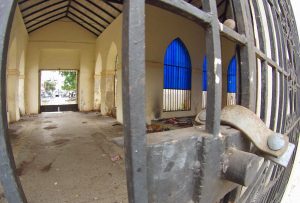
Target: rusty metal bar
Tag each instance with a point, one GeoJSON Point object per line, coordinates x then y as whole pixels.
{"type": "Point", "coordinates": [184, 9]}
{"type": "Point", "coordinates": [133, 91]}
{"type": "Point", "coordinates": [261, 55]}
{"type": "Point", "coordinates": [284, 66]}
{"type": "Point", "coordinates": [10, 181]}
{"type": "Point", "coordinates": [273, 47]}
{"type": "Point", "coordinates": [264, 66]}
{"type": "Point", "coordinates": [214, 69]}
{"type": "Point", "coordinates": [277, 33]}
{"type": "Point", "coordinates": [232, 35]}
{"type": "Point", "coordinates": [271, 31]}
{"type": "Point", "coordinates": [247, 56]}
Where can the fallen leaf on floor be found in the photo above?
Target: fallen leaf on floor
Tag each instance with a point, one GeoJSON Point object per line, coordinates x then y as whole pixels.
{"type": "Point", "coordinates": [116, 157]}
{"type": "Point", "coordinates": [46, 168]}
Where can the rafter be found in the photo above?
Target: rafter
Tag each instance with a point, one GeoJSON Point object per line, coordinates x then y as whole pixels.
{"type": "Point", "coordinates": [45, 19]}
{"type": "Point", "coordinates": [112, 6]}
{"type": "Point", "coordinates": [91, 11]}
{"type": "Point", "coordinates": [85, 15]}
{"type": "Point", "coordinates": [73, 19]}
{"type": "Point", "coordinates": [44, 14]}
{"type": "Point", "coordinates": [84, 21]}
{"type": "Point", "coordinates": [52, 21]}
{"type": "Point", "coordinates": [91, 15]}
{"type": "Point", "coordinates": [41, 9]}
{"type": "Point", "coordinates": [101, 9]}
{"type": "Point", "coordinates": [34, 5]}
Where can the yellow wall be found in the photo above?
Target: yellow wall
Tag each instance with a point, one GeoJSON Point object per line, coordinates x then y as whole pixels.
{"type": "Point", "coordinates": [16, 68]}
{"type": "Point", "coordinates": [61, 45]}
{"type": "Point", "coordinates": [108, 46]}
{"type": "Point", "coordinates": [162, 27]}
{"type": "Point", "coordinates": [65, 45]}
{"type": "Point", "coordinates": [228, 51]}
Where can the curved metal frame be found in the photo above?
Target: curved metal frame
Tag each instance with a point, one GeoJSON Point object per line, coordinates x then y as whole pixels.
{"type": "Point", "coordinates": [134, 81]}
{"type": "Point", "coordinates": [9, 179]}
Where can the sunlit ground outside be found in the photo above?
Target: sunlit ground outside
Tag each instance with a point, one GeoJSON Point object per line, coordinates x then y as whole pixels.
{"type": "Point", "coordinates": [58, 87]}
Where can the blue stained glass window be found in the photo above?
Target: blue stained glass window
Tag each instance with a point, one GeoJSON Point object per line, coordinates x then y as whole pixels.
{"type": "Point", "coordinates": [177, 66]}
{"type": "Point", "coordinates": [231, 76]}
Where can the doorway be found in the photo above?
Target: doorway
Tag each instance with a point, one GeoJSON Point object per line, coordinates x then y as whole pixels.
{"type": "Point", "coordinates": [58, 90]}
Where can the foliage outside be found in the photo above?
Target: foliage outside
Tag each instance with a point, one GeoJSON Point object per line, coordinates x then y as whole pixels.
{"type": "Point", "coordinates": [49, 85]}
{"type": "Point", "coordinates": [70, 82]}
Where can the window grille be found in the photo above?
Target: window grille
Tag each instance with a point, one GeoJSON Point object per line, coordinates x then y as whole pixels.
{"type": "Point", "coordinates": [177, 78]}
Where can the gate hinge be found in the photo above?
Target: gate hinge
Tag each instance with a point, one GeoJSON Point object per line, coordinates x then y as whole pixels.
{"type": "Point", "coordinates": [273, 146]}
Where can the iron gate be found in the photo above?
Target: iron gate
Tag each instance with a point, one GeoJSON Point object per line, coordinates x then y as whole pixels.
{"type": "Point", "coordinates": [265, 53]}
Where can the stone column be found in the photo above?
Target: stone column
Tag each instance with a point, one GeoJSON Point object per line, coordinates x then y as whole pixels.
{"type": "Point", "coordinates": [97, 92]}
{"type": "Point", "coordinates": [12, 94]}
{"type": "Point", "coordinates": [107, 100]}
{"type": "Point", "coordinates": [22, 94]}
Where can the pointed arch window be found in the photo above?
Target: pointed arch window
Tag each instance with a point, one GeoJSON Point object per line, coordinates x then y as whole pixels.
{"type": "Point", "coordinates": [177, 77]}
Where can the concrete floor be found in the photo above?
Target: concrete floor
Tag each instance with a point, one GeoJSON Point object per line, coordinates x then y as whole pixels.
{"type": "Point", "coordinates": [69, 157]}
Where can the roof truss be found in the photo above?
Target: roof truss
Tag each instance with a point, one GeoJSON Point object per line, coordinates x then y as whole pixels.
{"type": "Point", "coordinates": [93, 15]}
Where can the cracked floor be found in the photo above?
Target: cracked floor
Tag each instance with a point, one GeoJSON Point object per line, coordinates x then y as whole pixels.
{"type": "Point", "coordinates": [69, 157]}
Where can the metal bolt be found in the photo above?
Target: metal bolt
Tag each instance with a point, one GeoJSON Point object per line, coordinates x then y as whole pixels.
{"type": "Point", "coordinates": [276, 142]}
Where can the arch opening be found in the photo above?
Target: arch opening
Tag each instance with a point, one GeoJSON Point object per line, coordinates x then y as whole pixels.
{"type": "Point", "coordinates": [177, 77]}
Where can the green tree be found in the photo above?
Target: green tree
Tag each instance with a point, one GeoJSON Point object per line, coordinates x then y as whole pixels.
{"type": "Point", "coordinates": [49, 85]}
{"type": "Point", "coordinates": [70, 82]}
